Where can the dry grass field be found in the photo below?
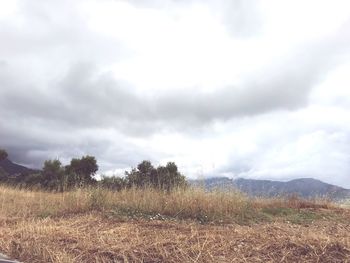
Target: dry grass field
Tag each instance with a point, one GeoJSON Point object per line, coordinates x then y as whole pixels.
{"type": "Point", "coordinates": [96, 225]}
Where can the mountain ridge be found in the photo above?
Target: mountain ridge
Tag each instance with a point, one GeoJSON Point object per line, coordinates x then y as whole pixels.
{"type": "Point", "coordinates": [12, 168]}
{"type": "Point", "coordinates": [304, 187]}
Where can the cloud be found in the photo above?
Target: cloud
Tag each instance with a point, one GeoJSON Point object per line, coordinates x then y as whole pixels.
{"type": "Point", "coordinates": [240, 17]}
{"type": "Point", "coordinates": [310, 142]}
{"type": "Point", "coordinates": [85, 98]}
{"type": "Point", "coordinates": [198, 82]}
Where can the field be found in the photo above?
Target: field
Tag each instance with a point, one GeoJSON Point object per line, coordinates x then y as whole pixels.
{"type": "Point", "coordinates": [97, 225]}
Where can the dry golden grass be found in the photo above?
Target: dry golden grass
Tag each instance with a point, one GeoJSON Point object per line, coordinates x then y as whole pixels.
{"type": "Point", "coordinates": [193, 203]}
{"type": "Point", "coordinates": [19, 203]}
{"type": "Point", "coordinates": [94, 238]}
{"type": "Point", "coordinates": [96, 225]}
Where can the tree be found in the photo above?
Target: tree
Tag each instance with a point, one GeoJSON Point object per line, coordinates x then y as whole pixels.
{"type": "Point", "coordinates": [3, 154]}
{"type": "Point", "coordinates": [164, 177]}
{"type": "Point", "coordinates": [143, 176]}
{"type": "Point", "coordinates": [53, 175]}
{"type": "Point", "coordinates": [35, 180]}
{"type": "Point", "coordinates": [169, 177]}
{"type": "Point", "coordinates": [82, 171]}
{"type": "Point", "coordinates": [113, 183]}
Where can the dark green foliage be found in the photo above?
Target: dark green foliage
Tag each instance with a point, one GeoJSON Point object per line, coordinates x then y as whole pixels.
{"type": "Point", "coordinates": [169, 177]}
{"type": "Point", "coordinates": [53, 175]}
{"type": "Point", "coordinates": [113, 183]}
{"type": "Point", "coordinates": [33, 180]}
{"type": "Point", "coordinates": [164, 177]}
{"type": "Point", "coordinates": [146, 175]}
{"type": "Point", "coordinates": [3, 154]}
{"type": "Point", "coordinates": [56, 177]}
{"type": "Point", "coordinates": [143, 176]}
{"type": "Point", "coordinates": [81, 171]}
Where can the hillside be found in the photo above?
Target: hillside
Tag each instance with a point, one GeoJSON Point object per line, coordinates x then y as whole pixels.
{"type": "Point", "coordinates": [304, 187]}
{"type": "Point", "coordinates": [12, 168]}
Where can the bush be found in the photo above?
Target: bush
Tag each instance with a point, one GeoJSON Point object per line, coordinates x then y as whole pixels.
{"type": "Point", "coordinates": [113, 183]}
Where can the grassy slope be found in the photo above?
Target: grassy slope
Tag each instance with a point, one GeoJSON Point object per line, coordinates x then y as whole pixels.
{"type": "Point", "coordinates": [183, 226]}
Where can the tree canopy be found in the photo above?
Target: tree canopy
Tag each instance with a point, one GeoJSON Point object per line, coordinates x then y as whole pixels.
{"type": "Point", "coordinates": [163, 177]}
{"type": "Point", "coordinates": [81, 172]}
{"type": "Point", "coordinates": [53, 175]}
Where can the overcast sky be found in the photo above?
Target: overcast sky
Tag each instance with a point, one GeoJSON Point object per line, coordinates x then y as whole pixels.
{"type": "Point", "coordinates": [238, 88]}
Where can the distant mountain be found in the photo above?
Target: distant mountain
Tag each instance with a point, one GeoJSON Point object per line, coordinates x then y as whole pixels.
{"type": "Point", "coordinates": [304, 187]}
{"type": "Point", "coordinates": [12, 168]}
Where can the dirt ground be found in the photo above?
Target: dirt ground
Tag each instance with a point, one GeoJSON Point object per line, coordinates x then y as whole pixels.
{"type": "Point", "coordinates": [97, 238]}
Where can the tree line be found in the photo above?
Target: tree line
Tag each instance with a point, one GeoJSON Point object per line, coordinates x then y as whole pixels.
{"type": "Point", "coordinates": [81, 172]}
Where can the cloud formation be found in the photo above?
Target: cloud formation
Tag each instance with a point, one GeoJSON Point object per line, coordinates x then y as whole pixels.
{"type": "Point", "coordinates": [213, 85]}
{"type": "Point", "coordinates": [241, 17]}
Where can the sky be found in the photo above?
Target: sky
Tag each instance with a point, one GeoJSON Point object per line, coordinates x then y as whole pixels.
{"type": "Point", "coordinates": [236, 88]}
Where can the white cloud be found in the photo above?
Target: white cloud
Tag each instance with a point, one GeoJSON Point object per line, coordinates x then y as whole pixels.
{"type": "Point", "coordinates": [239, 88]}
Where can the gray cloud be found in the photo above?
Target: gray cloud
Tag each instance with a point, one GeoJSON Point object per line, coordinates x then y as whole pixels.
{"type": "Point", "coordinates": [87, 99]}
{"type": "Point", "coordinates": [57, 99]}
